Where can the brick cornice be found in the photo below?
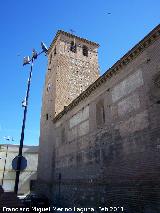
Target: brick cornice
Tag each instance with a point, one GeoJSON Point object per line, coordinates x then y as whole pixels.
{"type": "Point", "coordinates": [126, 59]}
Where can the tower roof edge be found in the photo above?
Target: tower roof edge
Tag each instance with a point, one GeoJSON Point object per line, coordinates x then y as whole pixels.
{"type": "Point", "coordinates": [61, 32]}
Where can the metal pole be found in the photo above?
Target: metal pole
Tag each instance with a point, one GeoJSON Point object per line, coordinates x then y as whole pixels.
{"type": "Point", "coordinates": [4, 165]}
{"type": "Point", "coordinates": [59, 185]}
{"type": "Point", "coordinates": [22, 132]}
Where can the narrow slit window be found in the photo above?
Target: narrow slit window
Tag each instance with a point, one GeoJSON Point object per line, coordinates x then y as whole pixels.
{"type": "Point", "coordinates": [47, 116]}
{"type": "Point", "coordinates": [48, 87]}
{"type": "Point", "coordinates": [50, 59]}
{"type": "Point", "coordinates": [55, 51]}
{"type": "Point", "coordinates": [63, 135]}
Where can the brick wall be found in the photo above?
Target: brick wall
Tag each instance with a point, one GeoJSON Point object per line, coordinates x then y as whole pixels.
{"type": "Point", "coordinates": [115, 161]}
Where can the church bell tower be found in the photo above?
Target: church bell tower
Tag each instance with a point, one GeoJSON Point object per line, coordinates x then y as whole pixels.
{"type": "Point", "coordinates": [72, 67]}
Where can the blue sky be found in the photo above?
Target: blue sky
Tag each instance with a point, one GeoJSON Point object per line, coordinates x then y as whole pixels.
{"type": "Point", "coordinates": [24, 24]}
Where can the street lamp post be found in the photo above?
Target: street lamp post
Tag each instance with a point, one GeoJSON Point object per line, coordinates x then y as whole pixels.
{"type": "Point", "coordinates": [5, 161]}
{"type": "Point", "coordinates": [5, 165]}
{"type": "Point", "coordinates": [26, 61]}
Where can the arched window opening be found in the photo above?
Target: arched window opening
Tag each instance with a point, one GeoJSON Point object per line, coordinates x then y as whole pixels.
{"type": "Point", "coordinates": [73, 47]}
{"type": "Point", "coordinates": [100, 113]}
{"type": "Point", "coordinates": [85, 50]}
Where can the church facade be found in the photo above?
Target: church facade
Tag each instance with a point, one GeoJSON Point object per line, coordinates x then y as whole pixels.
{"type": "Point", "coordinates": [100, 136]}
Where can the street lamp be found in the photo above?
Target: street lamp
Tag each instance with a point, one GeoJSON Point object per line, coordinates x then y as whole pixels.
{"type": "Point", "coordinates": [27, 60]}
{"type": "Point", "coordinates": [7, 138]}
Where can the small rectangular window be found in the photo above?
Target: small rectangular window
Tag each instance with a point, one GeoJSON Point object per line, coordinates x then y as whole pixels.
{"type": "Point", "coordinates": [85, 50]}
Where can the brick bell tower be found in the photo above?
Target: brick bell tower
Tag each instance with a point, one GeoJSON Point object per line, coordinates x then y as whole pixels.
{"type": "Point", "coordinates": [72, 67]}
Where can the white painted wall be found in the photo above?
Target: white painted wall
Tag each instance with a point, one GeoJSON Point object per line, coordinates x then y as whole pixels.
{"type": "Point", "coordinates": [31, 154]}
{"type": "Point", "coordinates": [127, 86]}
